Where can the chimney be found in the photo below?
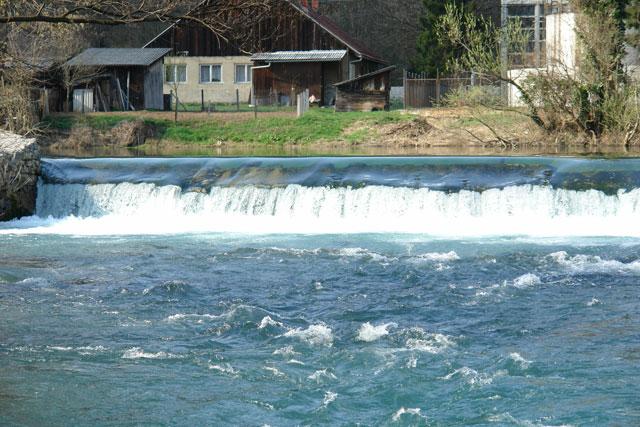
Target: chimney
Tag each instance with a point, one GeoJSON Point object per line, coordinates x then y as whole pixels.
{"type": "Point", "coordinates": [315, 4]}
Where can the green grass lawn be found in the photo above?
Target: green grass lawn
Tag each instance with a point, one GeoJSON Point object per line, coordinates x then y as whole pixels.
{"type": "Point", "coordinates": [315, 126]}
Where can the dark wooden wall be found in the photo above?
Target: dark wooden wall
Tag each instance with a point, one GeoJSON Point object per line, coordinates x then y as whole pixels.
{"type": "Point", "coordinates": [282, 80]}
{"type": "Point", "coordinates": [367, 94]}
{"type": "Point", "coordinates": [285, 29]}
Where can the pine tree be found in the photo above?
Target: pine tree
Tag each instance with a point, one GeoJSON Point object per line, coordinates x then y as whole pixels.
{"type": "Point", "coordinates": [434, 54]}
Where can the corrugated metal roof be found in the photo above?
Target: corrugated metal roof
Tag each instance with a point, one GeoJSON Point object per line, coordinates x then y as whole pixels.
{"type": "Point", "coordinates": [117, 57]}
{"type": "Point", "coordinates": [301, 56]}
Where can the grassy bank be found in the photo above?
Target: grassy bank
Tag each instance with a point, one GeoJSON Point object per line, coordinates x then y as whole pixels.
{"type": "Point", "coordinates": [318, 125]}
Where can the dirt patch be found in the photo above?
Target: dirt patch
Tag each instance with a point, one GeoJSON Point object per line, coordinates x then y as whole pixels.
{"type": "Point", "coordinates": [125, 134]}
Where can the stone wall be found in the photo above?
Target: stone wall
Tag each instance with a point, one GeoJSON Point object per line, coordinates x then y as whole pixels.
{"type": "Point", "coordinates": [19, 169]}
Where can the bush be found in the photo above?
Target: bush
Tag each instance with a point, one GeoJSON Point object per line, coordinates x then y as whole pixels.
{"type": "Point", "coordinates": [474, 96]}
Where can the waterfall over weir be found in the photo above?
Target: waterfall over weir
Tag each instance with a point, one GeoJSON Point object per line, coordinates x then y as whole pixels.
{"type": "Point", "coordinates": [447, 197]}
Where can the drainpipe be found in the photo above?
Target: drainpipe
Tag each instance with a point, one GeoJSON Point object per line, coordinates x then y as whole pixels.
{"type": "Point", "coordinates": [253, 87]}
{"type": "Point", "coordinates": [354, 62]}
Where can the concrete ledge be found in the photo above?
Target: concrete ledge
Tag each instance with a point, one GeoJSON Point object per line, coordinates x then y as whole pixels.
{"type": "Point", "coordinates": [19, 170]}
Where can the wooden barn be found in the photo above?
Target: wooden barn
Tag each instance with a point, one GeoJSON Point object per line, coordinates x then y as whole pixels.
{"type": "Point", "coordinates": [369, 92]}
{"type": "Point", "coordinates": [117, 79]}
{"type": "Point", "coordinates": [294, 48]}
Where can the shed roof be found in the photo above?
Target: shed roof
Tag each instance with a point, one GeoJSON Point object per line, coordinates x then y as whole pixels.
{"type": "Point", "coordinates": [117, 57]}
{"type": "Point", "coordinates": [301, 56]}
{"type": "Point", "coordinates": [368, 76]}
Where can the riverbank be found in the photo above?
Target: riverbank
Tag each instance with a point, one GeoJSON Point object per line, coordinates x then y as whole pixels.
{"type": "Point", "coordinates": [19, 169]}
{"type": "Point", "coordinates": [439, 131]}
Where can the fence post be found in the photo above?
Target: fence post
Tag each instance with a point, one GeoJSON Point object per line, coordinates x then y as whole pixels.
{"type": "Point", "coordinates": [438, 87]}
{"type": "Point", "coordinates": [404, 88]}
{"type": "Point", "coordinates": [201, 99]}
{"type": "Point", "coordinates": [238, 100]}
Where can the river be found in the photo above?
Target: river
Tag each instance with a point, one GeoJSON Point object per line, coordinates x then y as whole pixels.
{"type": "Point", "coordinates": [324, 291]}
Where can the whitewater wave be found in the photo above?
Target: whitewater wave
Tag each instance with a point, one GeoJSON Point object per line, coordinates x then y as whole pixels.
{"type": "Point", "coordinates": [370, 333]}
{"type": "Point", "coordinates": [314, 335]}
{"type": "Point", "coordinates": [318, 375]}
{"type": "Point", "coordinates": [434, 343]}
{"type": "Point", "coordinates": [113, 209]}
{"type": "Point", "coordinates": [473, 377]}
{"type": "Point", "coordinates": [526, 281]}
{"type": "Point", "coordinates": [407, 411]}
{"type": "Point", "coordinates": [198, 318]}
{"type": "Point", "coordinates": [519, 360]}
{"type": "Point", "coordinates": [593, 264]}
{"type": "Point", "coordinates": [224, 369]}
{"type": "Point", "coordinates": [268, 321]}
{"type": "Point", "coordinates": [139, 353]}
{"type": "Point", "coordinates": [438, 256]}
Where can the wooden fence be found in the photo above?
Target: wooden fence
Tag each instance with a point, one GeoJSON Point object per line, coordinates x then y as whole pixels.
{"type": "Point", "coordinates": [423, 92]}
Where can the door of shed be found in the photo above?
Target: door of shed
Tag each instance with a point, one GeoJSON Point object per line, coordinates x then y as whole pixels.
{"type": "Point", "coordinates": [83, 100]}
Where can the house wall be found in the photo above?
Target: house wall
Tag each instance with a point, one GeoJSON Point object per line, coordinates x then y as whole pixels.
{"type": "Point", "coordinates": [223, 92]}
{"type": "Point", "coordinates": [519, 76]}
{"type": "Point", "coordinates": [562, 42]}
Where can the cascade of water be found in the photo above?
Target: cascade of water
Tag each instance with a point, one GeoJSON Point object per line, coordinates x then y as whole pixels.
{"type": "Point", "coordinates": [523, 209]}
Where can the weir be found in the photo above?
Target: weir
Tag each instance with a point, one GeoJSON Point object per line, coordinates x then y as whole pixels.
{"type": "Point", "coordinates": [450, 196]}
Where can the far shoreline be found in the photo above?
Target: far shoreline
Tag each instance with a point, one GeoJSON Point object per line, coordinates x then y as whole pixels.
{"type": "Point", "coordinates": [165, 149]}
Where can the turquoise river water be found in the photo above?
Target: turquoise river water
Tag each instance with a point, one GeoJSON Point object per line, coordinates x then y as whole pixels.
{"type": "Point", "coordinates": [324, 291]}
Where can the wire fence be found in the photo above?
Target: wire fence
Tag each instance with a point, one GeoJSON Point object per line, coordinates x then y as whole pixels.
{"type": "Point", "coordinates": [423, 92]}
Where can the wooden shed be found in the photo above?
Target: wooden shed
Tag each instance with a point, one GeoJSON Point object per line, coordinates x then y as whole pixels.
{"type": "Point", "coordinates": [121, 79]}
{"type": "Point", "coordinates": [280, 76]}
{"type": "Point", "coordinates": [369, 92]}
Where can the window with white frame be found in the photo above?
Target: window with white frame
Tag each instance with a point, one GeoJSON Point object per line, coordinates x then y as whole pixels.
{"type": "Point", "coordinates": [243, 73]}
{"type": "Point", "coordinates": [175, 73]}
{"type": "Point", "coordinates": [210, 73]}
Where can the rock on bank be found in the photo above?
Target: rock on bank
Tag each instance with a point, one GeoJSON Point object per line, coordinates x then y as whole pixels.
{"type": "Point", "coordinates": [19, 169]}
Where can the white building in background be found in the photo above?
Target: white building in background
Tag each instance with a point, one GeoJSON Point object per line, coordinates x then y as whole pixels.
{"type": "Point", "coordinates": [553, 46]}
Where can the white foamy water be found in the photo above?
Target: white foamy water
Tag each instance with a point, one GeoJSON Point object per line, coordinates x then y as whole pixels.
{"type": "Point", "coordinates": [320, 374]}
{"type": "Point", "coordinates": [107, 209]}
{"type": "Point", "coordinates": [224, 368]}
{"type": "Point", "coordinates": [314, 334]}
{"type": "Point", "coordinates": [433, 343]}
{"type": "Point", "coordinates": [198, 318]}
{"type": "Point", "coordinates": [139, 353]}
{"type": "Point", "coordinates": [370, 333]}
{"type": "Point", "coordinates": [473, 377]}
{"type": "Point", "coordinates": [329, 397]}
{"type": "Point", "coordinates": [594, 264]}
{"type": "Point", "coordinates": [407, 411]}
{"type": "Point", "coordinates": [439, 256]}
{"type": "Point", "coordinates": [517, 358]}
{"type": "Point", "coordinates": [285, 351]}
{"type": "Point", "coordinates": [526, 281]}
{"type": "Point", "coordinates": [268, 321]}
